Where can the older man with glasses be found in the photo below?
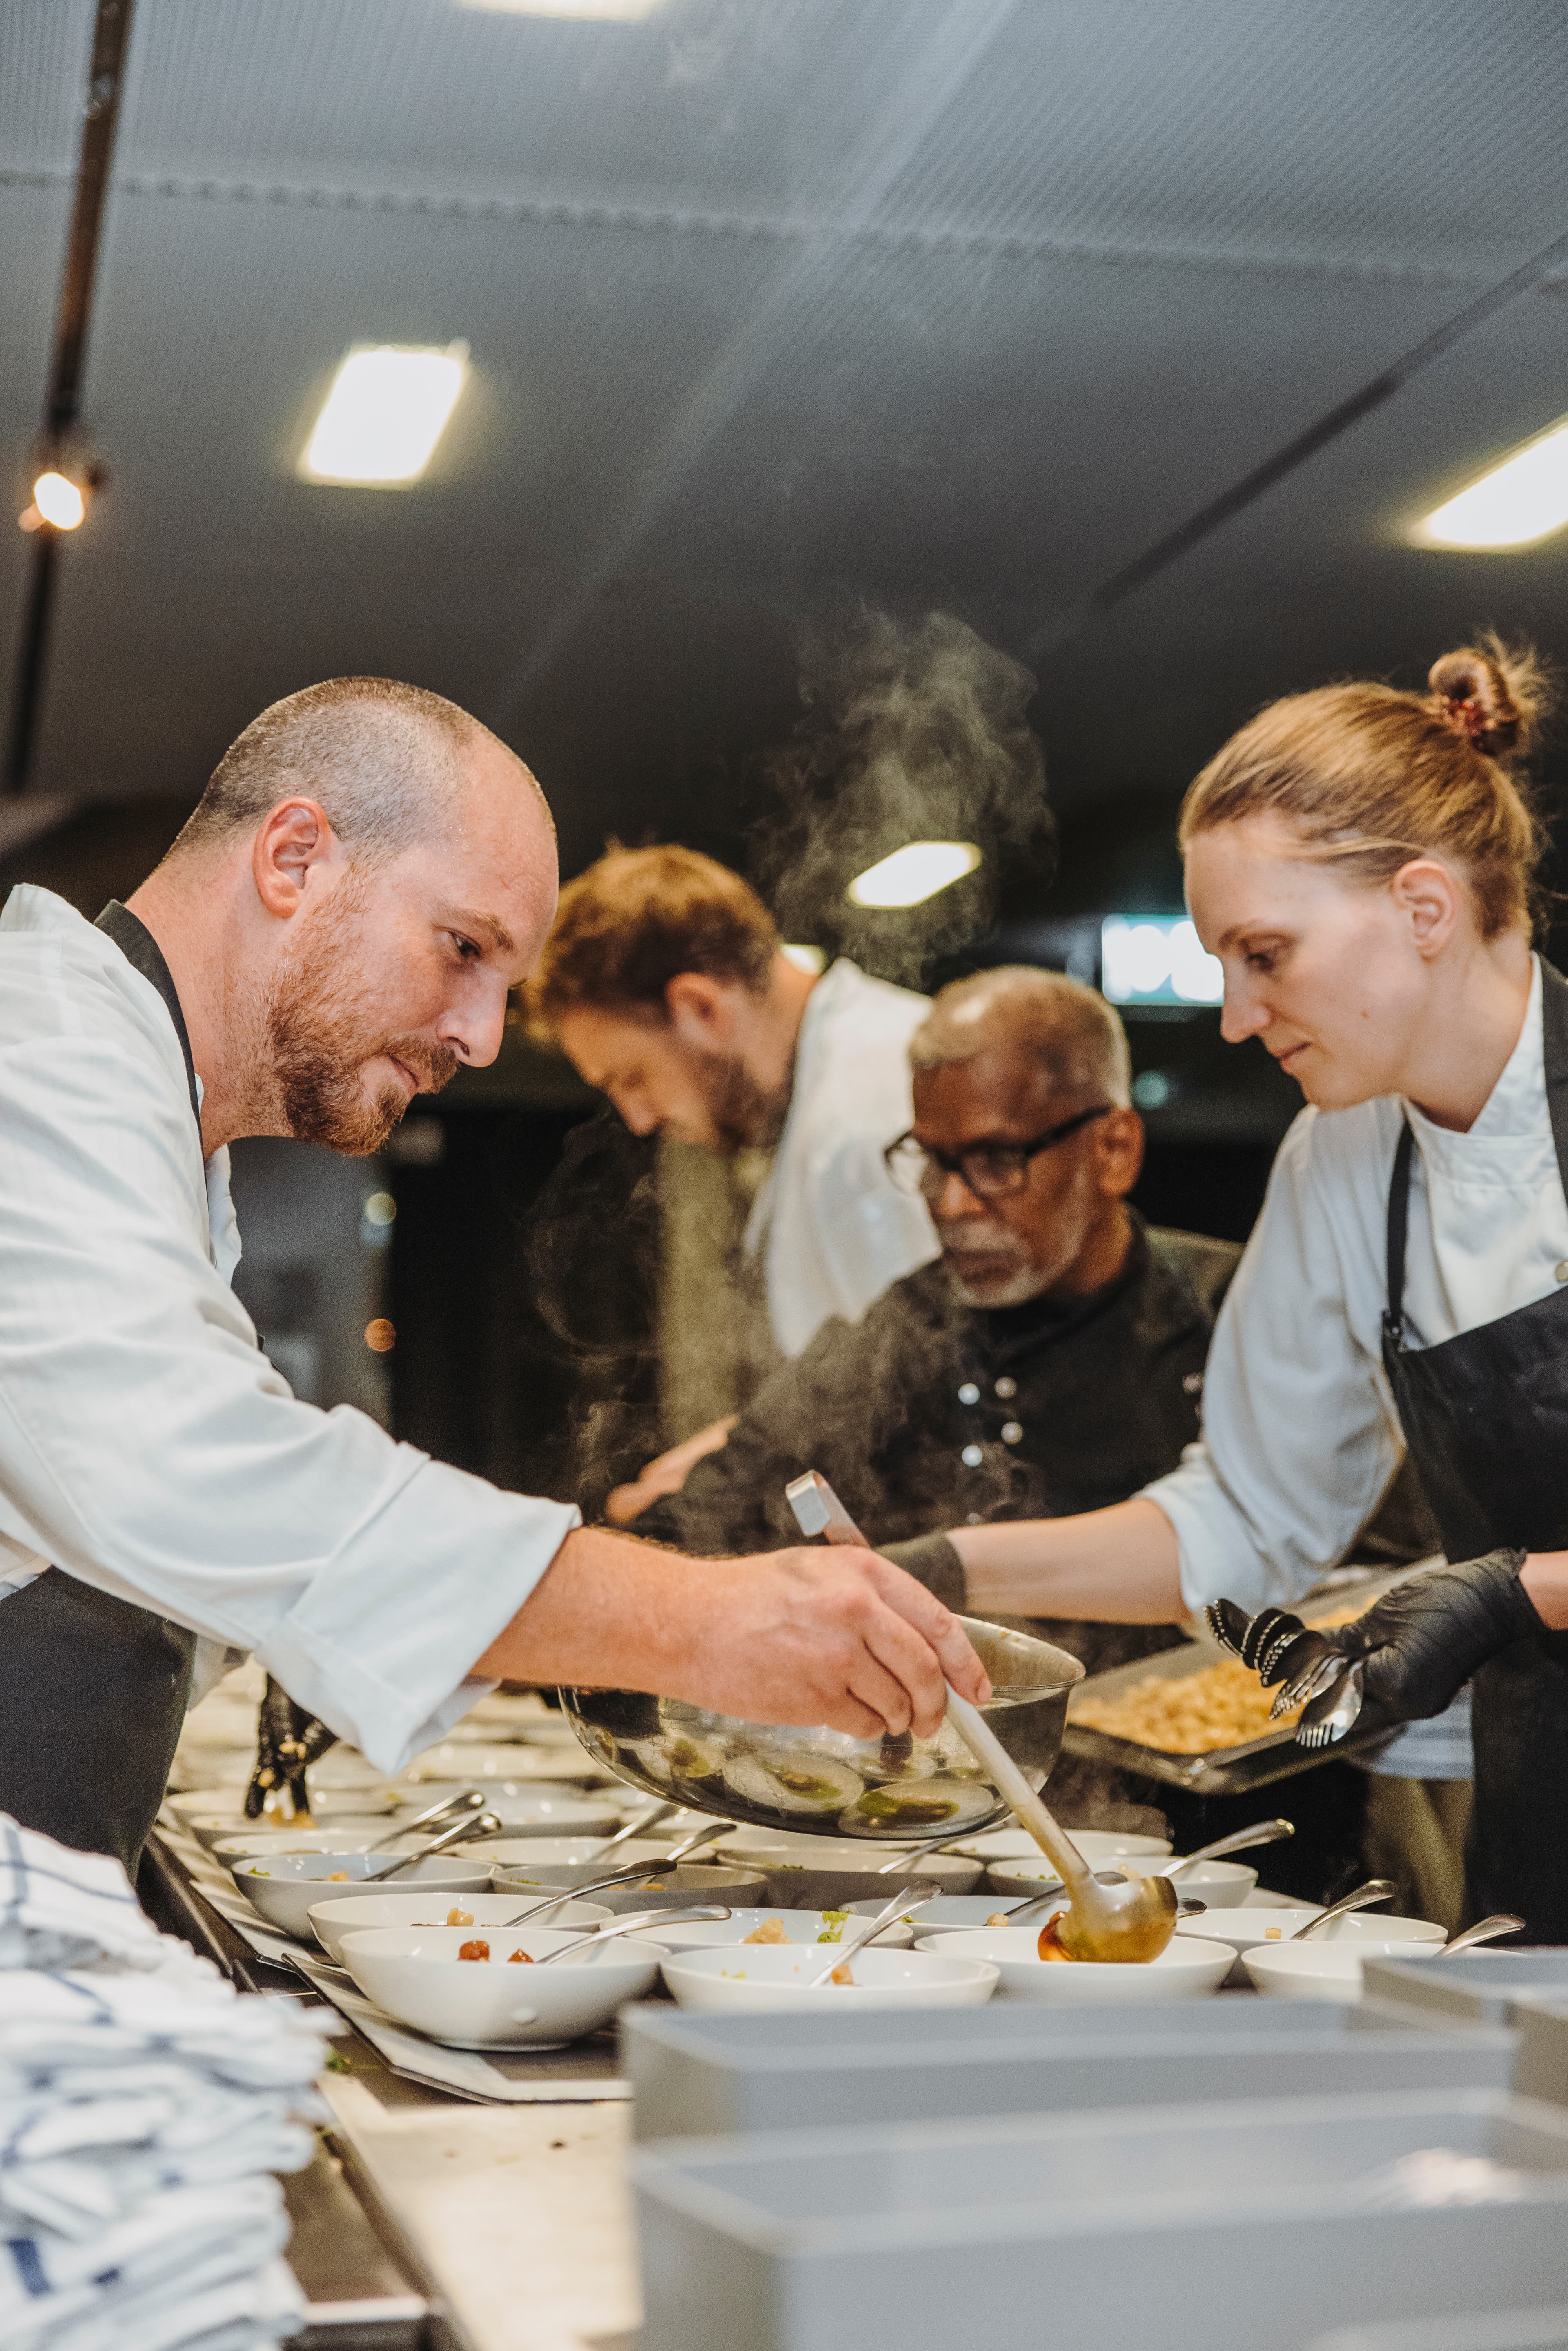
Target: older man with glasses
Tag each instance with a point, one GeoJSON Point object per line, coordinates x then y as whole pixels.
{"type": "Point", "coordinates": [1050, 1360]}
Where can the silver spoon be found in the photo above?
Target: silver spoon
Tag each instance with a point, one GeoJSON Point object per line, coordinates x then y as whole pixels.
{"type": "Point", "coordinates": [1376, 1889]}
{"type": "Point", "coordinates": [637, 1923]}
{"type": "Point", "coordinates": [471, 1801]}
{"type": "Point", "coordinates": [487, 1825]}
{"type": "Point", "coordinates": [923, 1890]}
{"type": "Point", "coordinates": [597, 1886]}
{"type": "Point", "coordinates": [1238, 1840]}
{"type": "Point", "coordinates": [1486, 1931]}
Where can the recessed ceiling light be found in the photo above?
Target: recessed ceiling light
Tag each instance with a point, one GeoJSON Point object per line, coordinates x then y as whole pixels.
{"type": "Point", "coordinates": [1524, 498]}
{"type": "Point", "coordinates": [914, 873]}
{"type": "Point", "coordinates": [620, 12]}
{"type": "Point", "coordinates": [385, 414]}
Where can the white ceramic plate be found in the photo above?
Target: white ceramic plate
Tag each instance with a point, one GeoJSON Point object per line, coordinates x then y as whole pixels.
{"type": "Point", "coordinates": [800, 1925]}
{"type": "Point", "coordinates": [282, 1885]}
{"type": "Point", "coordinates": [1098, 1846]}
{"type": "Point", "coordinates": [331, 1921]}
{"type": "Point", "coordinates": [1322, 1971]}
{"type": "Point", "coordinates": [1187, 1969]}
{"type": "Point", "coordinates": [414, 1974]}
{"type": "Point", "coordinates": [753, 1976]}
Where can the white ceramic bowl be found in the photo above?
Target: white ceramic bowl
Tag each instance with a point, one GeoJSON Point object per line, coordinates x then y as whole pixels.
{"type": "Point", "coordinates": [755, 1976]}
{"type": "Point", "coordinates": [476, 1762]}
{"type": "Point", "coordinates": [1098, 1846]}
{"type": "Point", "coordinates": [210, 1813]}
{"type": "Point", "coordinates": [282, 1885]}
{"type": "Point", "coordinates": [1185, 1969]}
{"type": "Point", "coordinates": [949, 1914]}
{"type": "Point", "coordinates": [820, 1928]}
{"type": "Point", "coordinates": [1033, 1876]}
{"type": "Point", "coordinates": [1221, 1884]}
{"type": "Point", "coordinates": [1244, 1930]}
{"type": "Point", "coordinates": [345, 1835]}
{"type": "Point", "coordinates": [415, 1975]}
{"type": "Point", "coordinates": [956, 1873]}
{"type": "Point", "coordinates": [524, 1856]}
{"type": "Point", "coordinates": [1322, 1971]}
{"type": "Point", "coordinates": [543, 1809]}
{"type": "Point", "coordinates": [331, 1921]}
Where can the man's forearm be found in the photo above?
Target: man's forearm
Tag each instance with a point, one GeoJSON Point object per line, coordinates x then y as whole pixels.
{"type": "Point", "coordinates": [1122, 1566]}
{"type": "Point", "coordinates": [610, 1610]}
{"type": "Point", "coordinates": [836, 1636]}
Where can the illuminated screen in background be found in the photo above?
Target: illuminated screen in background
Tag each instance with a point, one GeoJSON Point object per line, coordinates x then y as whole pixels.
{"type": "Point", "coordinates": [1156, 960]}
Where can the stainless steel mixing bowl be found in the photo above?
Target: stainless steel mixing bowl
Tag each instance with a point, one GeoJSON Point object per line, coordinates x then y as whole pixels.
{"type": "Point", "coordinates": [822, 1781]}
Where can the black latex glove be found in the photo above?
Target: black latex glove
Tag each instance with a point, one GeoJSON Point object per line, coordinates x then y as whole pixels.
{"type": "Point", "coordinates": [288, 1740]}
{"type": "Point", "coordinates": [1417, 1645]}
{"type": "Point", "coordinates": [932, 1561]}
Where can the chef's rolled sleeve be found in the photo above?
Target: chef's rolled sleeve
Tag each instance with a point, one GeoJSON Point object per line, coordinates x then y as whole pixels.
{"type": "Point", "coordinates": [148, 1448]}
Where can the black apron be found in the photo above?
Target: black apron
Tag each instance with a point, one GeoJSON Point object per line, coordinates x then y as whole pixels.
{"type": "Point", "coordinates": [93, 1690]}
{"type": "Point", "coordinates": [1486, 1419]}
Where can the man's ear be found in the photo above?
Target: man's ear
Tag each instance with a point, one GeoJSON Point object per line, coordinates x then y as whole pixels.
{"type": "Point", "coordinates": [292, 841]}
{"type": "Point", "coordinates": [700, 1009]}
{"type": "Point", "coordinates": [1118, 1152]}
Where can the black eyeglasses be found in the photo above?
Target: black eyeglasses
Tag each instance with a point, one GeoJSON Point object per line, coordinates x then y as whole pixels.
{"type": "Point", "coordinates": [991, 1170]}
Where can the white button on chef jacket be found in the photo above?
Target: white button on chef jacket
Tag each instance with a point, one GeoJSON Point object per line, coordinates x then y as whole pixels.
{"type": "Point", "coordinates": [832, 1228]}
{"type": "Point", "coordinates": [147, 1446]}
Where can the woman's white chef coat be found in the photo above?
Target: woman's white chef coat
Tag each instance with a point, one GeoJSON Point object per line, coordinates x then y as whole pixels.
{"type": "Point", "coordinates": [147, 1446]}
{"type": "Point", "coordinates": [1300, 1435]}
{"type": "Point", "coordinates": [831, 1226]}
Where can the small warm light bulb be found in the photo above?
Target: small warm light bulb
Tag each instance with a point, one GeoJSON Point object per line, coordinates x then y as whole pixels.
{"type": "Point", "coordinates": [913, 873]}
{"type": "Point", "coordinates": [58, 500]}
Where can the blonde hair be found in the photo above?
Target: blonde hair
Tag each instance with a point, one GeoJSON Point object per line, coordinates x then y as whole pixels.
{"type": "Point", "coordinates": [1372, 777]}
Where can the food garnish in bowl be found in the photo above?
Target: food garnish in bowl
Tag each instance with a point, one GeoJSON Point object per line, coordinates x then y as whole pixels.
{"type": "Point", "coordinates": [843, 1975]}
{"type": "Point", "coordinates": [525, 1956]}
{"type": "Point", "coordinates": [771, 1931]}
{"type": "Point", "coordinates": [460, 1918]}
{"type": "Point", "coordinates": [477, 1949]}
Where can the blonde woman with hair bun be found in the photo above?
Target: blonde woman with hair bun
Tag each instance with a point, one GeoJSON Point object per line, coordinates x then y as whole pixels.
{"type": "Point", "coordinates": [1362, 861]}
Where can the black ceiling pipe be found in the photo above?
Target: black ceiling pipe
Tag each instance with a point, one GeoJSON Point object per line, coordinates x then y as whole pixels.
{"type": "Point", "coordinates": [62, 404]}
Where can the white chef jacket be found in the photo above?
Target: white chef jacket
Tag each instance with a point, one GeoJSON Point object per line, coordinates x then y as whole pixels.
{"type": "Point", "coordinates": [1300, 1432]}
{"type": "Point", "coordinates": [147, 1446]}
{"type": "Point", "coordinates": [832, 1228]}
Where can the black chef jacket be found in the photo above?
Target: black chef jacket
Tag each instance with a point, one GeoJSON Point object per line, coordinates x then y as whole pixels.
{"type": "Point", "coordinates": [929, 1414]}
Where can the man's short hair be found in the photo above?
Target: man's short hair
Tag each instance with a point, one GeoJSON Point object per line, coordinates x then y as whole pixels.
{"type": "Point", "coordinates": [1069, 1030]}
{"type": "Point", "coordinates": [639, 917]}
{"type": "Point", "coordinates": [385, 761]}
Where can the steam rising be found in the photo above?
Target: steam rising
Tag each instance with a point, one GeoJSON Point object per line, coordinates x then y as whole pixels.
{"type": "Point", "coordinates": [912, 732]}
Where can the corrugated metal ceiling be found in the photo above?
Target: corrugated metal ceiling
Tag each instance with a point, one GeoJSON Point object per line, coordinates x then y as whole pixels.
{"type": "Point", "coordinates": [924, 301]}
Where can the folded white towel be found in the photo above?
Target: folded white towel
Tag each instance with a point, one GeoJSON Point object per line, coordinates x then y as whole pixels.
{"type": "Point", "coordinates": [65, 1909]}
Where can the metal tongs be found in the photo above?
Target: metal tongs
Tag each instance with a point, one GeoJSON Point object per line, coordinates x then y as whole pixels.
{"type": "Point", "coordinates": [1132, 1919]}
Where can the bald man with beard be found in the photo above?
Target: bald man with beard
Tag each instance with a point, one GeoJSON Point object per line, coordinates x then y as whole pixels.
{"type": "Point", "coordinates": [335, 931]}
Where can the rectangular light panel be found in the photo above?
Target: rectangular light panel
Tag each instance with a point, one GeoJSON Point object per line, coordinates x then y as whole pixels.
{"type": "Point", "coordinates": [1524, 500]}
{"type": "Point", "coordinates": [1158, 959]}
{"type": "Point", "coordinates": [617, 12]}
{"type": "Point", "coordinates": [386, 411]}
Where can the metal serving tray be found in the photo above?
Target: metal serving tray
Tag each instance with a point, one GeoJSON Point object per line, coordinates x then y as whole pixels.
{"type": "Point", "coordinates": [696, 2075]}
{"type": "Point", "coordinates": [1199, 2228]}
{"type": "Point", "coordinates": [1225, 1770]}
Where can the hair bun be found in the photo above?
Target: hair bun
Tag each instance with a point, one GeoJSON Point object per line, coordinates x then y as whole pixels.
{"type": "Point", "coordinates": [1489, 695]}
